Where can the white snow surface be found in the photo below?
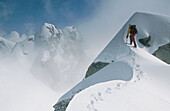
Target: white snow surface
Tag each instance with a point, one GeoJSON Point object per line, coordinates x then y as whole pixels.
{"type": "Point", "coordinates": [154, 25]}
{"type": "Point", "coordinates": [148, 90]}
{"type": "Point", "coordinates": [36, 70]}
{"type": "Point", "coordinates": [136, 80]}
{"type": "Point", "coordinates": [20, 90]}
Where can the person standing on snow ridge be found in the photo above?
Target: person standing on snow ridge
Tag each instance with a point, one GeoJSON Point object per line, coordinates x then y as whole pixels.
{"type": "Point", "coordinates": [133, 31]}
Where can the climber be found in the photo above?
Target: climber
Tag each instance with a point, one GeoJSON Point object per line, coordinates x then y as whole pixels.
{"type": "Point", "coordinates": [133, 31]}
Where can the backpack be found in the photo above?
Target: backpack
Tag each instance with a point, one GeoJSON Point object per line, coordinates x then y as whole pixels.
{"type": "Point", "coordinates": [133, 29]}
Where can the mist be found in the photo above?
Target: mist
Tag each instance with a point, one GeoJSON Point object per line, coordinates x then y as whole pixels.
{"type": "Point", "coordinates": [35, 74]}
{"type": "Point", "coordinates": [111, 17]}
{"type": "Point", "coordinates": [25, 82]}
{"type": "Point", "coordinates": [21, 91]}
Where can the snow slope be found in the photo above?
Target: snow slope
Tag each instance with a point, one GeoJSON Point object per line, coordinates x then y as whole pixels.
{"type": "Point", "coordinates": [154, 25]}
{"type": "Point", "coordinates": [19, 90]}
{"type": "Point", "coordinates": [148, 90]}
{"type": "Point", "coordinates": [145, 77]}
{"type": "Point", "coordinates": [57, 54]}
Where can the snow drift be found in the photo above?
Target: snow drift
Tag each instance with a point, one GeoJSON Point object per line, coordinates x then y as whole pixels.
{"type": "Point", "coordinates": [130, 72]}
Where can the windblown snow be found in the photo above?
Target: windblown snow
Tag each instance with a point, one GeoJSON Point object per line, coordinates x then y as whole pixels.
{"type": "Point", "coordinates": [36, 70]}
{"type": "Point", "coordinates": [134, 80]}
{"type": "Point", "coordinates": [33, 68]}
{"type": "Point", "coordinates": [61, 57]}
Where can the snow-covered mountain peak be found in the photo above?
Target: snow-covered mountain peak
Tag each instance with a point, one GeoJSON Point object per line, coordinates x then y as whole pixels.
{"type": "Point", "coordinates": [51, 28]}
{"type": "Point", "coordinates": [70, 29]}
{"type": "Point", "coordinates": [121, 61]}
{"type": "Point", "coordinates": [59, 53]}
{"type": "Point", "coordinates": [13, 36]}
{"type": "Point", "coordinates": [71, 32]}
{"type": "Point", "coordinates": [50, 32]}
{"type": "Point", "coordinates": [55, 57]}
{"type": "Point", "coordinates": [149, 25]}
{"type": "Point", "coordinates": [45, 33]}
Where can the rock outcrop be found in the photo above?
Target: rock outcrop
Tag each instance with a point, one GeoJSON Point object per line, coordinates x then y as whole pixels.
{"type": "Point", "coordinates": [145, 41]}
{"type": "Point", "coordinates": [163, 53]}
{"type": "Point", "coordinates": [94, 67]}
{"type": "Point", "coordinates": [61, 106]}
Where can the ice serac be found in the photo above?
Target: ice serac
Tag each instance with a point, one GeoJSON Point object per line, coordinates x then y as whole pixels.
{"type": "Point", "coordinates": [124, 63]}
{"type": "Point", "coordinates": [59, 54]}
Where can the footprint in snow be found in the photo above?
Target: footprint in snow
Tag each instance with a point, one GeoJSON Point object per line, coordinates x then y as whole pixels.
{"type": "Point", "coordinates": [108, 90]}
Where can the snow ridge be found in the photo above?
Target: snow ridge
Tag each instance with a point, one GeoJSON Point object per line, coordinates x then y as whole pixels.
{"type": "Point", "coordinates": [134, 66]}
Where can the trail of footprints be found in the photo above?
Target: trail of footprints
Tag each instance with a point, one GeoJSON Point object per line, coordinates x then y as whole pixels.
{"type": "Point", "coordinates": [98, 97]}
{"type": "Point", "coordinates": [136, 66]}
{"type": "Point", "coordinates": [95, 98]}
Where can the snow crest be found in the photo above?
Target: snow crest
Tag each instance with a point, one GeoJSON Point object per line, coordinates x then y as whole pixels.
{"type": "Point", "coordinates": [135, 75]}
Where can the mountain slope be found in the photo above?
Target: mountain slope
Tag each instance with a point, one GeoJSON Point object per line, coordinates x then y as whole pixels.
{"type": "Point", "coordinates": [5, 46]}
{"type": "Point", "coordinates": [60, 58]}
{"type": "Point", "coordinates": [148, 90]}
{"type": "Point", "coordinates": [128, 64]}
{"type": "Point", "coordinates": [148, 25]}
{"type": "Point", "coordinates": [20, 90]}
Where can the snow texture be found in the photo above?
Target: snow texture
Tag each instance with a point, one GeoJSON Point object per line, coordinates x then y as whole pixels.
{"type": "Point", "coordinates": [36, 70]}
{"type": "Point", "coordinates": [137, 80]}
{"type": "Point", "coordinates": [19, 90]}
{"type": "Point", "coordinates": [60, 58]}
